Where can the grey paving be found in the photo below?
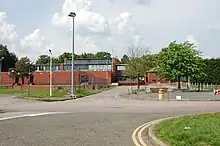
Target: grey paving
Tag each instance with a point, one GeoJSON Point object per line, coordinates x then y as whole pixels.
{"type": "Point", "coordinates": [97, 120]}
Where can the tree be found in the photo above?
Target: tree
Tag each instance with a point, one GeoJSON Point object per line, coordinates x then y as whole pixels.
{"type": "Point", "coordinates": [9, 58]}
{"type": "Point", "coordinates": [102, 55]}
{"type": "Point", "coordinates": [23, 68]}
{"type": "Point", "coordinates": [212, 70]}
{"type": "Point", "coordinates": [45, 59]}
{"type": "Point", "coordinates": [124, 59]}
{"type": "Point", "coordinates": [199, 74]}
{"type": "Point", "coordinates": [87, 55]}
{"type": "Point", "coordinates": [67, 56]}
{"type": "Point", "coordinates": [139, 61]}
{"type": "Point", "coordinates": [179, 60]}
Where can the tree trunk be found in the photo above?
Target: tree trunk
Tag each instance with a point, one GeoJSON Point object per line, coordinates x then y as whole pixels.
{"type": "Point", "coordinates": [198, 87]}
{"type": "Point", "coordinates": [22, 80]}
{"type": "Point", "coordinates": [179, 86]}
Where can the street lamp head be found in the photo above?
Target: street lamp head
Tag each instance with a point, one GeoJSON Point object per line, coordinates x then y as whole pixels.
{"type": "Point", "coordinates": [50, 51]}
{"type": "Point", "coordinates": [2, 57]}
{"type": "Point", "coordinates": [72, 14]}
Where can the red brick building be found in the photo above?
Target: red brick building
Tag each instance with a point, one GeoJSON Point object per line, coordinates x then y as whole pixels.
{"type": "Point", "coordinates": [96, 71]}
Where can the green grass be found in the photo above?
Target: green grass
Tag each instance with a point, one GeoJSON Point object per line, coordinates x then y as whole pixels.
{"type": "Point", "coordinates": [37, 93]}
{"type": "Point", "coordinates": [82, 93]}
{"type": "Point", "coordinates": [199, 130]}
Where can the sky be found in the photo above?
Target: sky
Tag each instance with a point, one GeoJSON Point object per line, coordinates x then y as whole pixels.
{"type": "Point", "coordinates": [32, 27]}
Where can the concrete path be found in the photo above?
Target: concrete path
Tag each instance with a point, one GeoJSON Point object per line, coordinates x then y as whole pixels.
{"type": "Point", "coordinates": [97, 120]}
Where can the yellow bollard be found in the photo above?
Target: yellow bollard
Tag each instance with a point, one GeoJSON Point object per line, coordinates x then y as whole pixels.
{"type": "Point", "coordinates": [161, 94]}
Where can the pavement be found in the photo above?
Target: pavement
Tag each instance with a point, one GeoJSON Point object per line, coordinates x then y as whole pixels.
{"type": "Point", "coordinates": [96, 120]}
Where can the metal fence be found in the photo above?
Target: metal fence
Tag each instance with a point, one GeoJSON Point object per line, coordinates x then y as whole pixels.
{"type": "Point", "coordinates": [144, 93]}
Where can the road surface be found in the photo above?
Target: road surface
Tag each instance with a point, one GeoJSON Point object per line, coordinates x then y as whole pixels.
{"type": "Point", "coordinates": [97, 120]}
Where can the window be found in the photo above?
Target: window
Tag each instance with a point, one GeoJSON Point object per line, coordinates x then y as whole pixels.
{"type": "Point", "coordinates": [121, 68]}
{"type": "Point", "coordinates": [67, 67]}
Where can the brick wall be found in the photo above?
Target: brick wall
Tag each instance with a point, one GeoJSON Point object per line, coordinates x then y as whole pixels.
{"type": "Point", "coordinates": [63, 77]}
{"type": "Point", "coordinates": [153, 78]}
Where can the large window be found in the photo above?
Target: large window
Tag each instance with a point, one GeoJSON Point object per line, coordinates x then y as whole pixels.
{"type": "Point", "coordinates": [47, 68]}
{"type": "Point", "coordinates": [99, 67]}
{"type": "Point", "coordinates": [121, 67]}
{"type": "Point", "coordinates": [67, 67]}
{"type": "Point", "coordinates": [90, 61]}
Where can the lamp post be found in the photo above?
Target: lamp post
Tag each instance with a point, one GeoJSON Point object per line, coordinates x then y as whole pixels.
{"type": "Point", "coordinates": [50, 72]}
{"type": "Point", "coordinates": [73, 15]}
{"type": "Point", "coordinates": [29, 74]}
{"type": "Point", "coordinates": [1, 69]}
{"type": "Point", "coordinates": [106, 72]}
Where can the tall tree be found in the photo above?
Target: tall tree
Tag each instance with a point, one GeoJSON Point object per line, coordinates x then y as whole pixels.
{"type": "Point", "coordinates": [45, 59]}
{"type": "Point", "coordinates": [9, 58]}
{"type": "Point", "coordinates": [103, 55]}
{"type": "Point", "coordinates": [179, 60]}
{"type": "Point", "coordinates": [87, 55]}
{"type": "Point", "coordinates": [124, 59]}
{"type": "Point", "coordinates": [23, 67]}
{"type": "Point", "coordinates": [212, 70]}
{"type": "Point", "coordinates": [139, 62]}
{"type": "Point", "coordinates": [67, 55]}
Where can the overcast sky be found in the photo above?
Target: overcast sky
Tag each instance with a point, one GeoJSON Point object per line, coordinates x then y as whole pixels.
{"type": "Point", "coordinates": [30, 27]}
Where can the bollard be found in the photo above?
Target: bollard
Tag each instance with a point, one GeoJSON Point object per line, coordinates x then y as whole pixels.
{"type": "Point", "coordinates": [161, 94]}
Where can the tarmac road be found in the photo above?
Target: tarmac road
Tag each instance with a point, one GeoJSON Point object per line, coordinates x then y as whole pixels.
{"type": "Point", "coordinates": [98, 120]}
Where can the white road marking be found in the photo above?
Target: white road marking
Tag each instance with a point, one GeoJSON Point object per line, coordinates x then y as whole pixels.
{"type": "Point", "coordinates": [30, 115]}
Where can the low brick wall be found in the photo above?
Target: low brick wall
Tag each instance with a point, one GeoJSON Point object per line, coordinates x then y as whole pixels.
{"type": "Point", "coordinates": [156, 90]}
{"type": "Point", "coordinates": [130, 83]}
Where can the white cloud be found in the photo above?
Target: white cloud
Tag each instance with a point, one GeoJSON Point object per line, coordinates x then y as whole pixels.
{"type": "Point", "coordinates": [114, 24]}
{"type": "Point", "coordinates": [122, 24]}
{"type": "Point", "coordinates": [7, 31]}
{"type": "Point", "coordinates": [86, 20]}
{"type": "Point", "coordinates": [33, 40]}
{"type": "Point", "coordinates": [86, 44]}
{"type": "Point", "coordinates": [34, 44]}
{"type": "Point", "coordinates": [192, 39]}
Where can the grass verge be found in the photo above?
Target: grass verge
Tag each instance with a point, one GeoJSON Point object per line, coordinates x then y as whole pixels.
{"type": "Point", "coordinates": [199, 130]}
{"type": "Point", "coordinates": [44, 93]}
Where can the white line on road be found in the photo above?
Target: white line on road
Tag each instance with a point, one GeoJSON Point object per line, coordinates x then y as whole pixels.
{"type": "Point", "coordinates": [31, 115]}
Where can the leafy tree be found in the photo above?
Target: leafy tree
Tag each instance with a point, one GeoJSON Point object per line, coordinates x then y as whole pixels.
{"type": "Point", "coordinates": [212, 70]}
{"type": "Point", "coordinates": [9, 58]}
{"type": "Point", "coordinates": [87, 55]}
{"type": "Point", "coordinates": [124, 59]}
{"type": "Point", "coordinates": [139, 62]}
{"type": "Point", "coordinates": [45, 59]}
{"type": "Point", "coordinates": [102, 55]}
{"type": "Point", "coordinates": [199, 74]}
{"type": "Point", "coordinates": [55, 60]}
{"type": "Point", "coordinates": [179, 60]}
{"type": "Point", "coordinates": [23, 68]}
{"type": "Point", "coordinates": [66, 55]}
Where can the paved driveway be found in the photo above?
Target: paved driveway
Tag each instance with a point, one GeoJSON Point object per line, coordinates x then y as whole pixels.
{"type": "Point", "coordinates": [98, 120]}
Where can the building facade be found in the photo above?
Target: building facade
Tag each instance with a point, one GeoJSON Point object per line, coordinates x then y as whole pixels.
{"type": "Point", "coordinates": [97, 71]}
{"type": "Point", "coordinates": [91, 71]}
